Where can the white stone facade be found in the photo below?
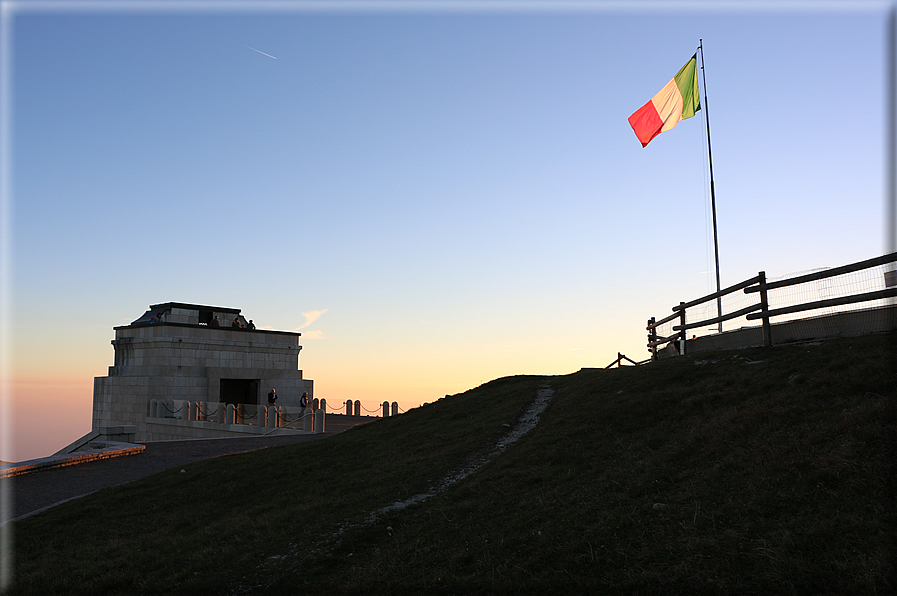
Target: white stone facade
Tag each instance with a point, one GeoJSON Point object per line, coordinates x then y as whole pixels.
{"type": "Point", "coordinates": [173, 353]}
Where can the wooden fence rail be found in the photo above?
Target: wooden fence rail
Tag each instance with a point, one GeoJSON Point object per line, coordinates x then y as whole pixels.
{"type": "Point", "coordinates": [620, 358]}
{"type": "Point", "coordinates": [758, 284]}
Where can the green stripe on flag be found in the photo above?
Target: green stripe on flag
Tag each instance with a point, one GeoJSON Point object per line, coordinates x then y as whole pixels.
{"type": "Point", "coordinates": [687, 81]}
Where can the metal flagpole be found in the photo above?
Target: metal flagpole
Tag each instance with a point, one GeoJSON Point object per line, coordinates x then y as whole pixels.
{"type": "Point", "coordinates": [891, 124]}
{"type": "Point", "coordinates": [719, 299]}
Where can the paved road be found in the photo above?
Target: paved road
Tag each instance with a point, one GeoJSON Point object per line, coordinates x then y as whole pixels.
{"type": "Point", "coordinates": [35, 492]}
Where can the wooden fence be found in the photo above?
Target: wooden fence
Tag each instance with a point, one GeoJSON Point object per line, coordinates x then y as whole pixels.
{"type": "Point", "coordinates": [761, 311]}
{"type": "Point", "coordinates": [620, 358]}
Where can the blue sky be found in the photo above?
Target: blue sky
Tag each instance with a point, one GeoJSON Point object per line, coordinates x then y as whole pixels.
{"type": "Point", "coordinates": [434, 196]}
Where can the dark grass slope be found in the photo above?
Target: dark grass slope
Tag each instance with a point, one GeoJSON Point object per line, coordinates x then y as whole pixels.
{"type": "Point", "coordinates": [754, 471]}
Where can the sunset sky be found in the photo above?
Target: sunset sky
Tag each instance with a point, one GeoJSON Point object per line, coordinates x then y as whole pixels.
{"type": "Point", "coordinates": [435, 194]}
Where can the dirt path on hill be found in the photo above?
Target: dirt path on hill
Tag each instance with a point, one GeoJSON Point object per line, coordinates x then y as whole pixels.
{"type": "Point", "coordinates": [528, 420]}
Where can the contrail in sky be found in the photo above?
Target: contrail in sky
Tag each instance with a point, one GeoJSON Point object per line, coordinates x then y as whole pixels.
{"type": "Point", "coordinates": [261, 52]}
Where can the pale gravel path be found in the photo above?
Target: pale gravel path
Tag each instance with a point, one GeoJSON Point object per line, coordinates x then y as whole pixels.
{"type": "Point", "coordinates": [526, 423]}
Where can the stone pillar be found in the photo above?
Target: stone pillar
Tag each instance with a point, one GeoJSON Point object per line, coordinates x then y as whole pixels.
{"type": "Point", "coordinates": [386, 409]}
{"type": "Point", "coordinates": [154, 408]}
{"type": "Point", "coordinates": [262, 416]}
{"type": "Point", "coordinates": [220, 413]}
{"type": "Point", "coordinates": [324, 405]}
{"type": "Point", "coordinates": [319, 421]}
{"type": "Point", "coordinates": [188, 410]}
{"type": "Point", "coordinates": [357, 408]}
{"type": "Point", "coordinates": [306, 419]}
{"type": "Point", "coordinates": [395, 408]}
{"type": "Point", "coordinates": [229, 418]}
{"type": "Point", "coordinates": [271, 416]}
{"type": "Point", "coordinates": [348, 407]}
{"type": "Point", "coordinates": [314, 404]}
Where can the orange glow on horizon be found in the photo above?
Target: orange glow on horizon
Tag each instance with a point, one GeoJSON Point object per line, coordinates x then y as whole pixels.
{"type": "Point", "coordinates": [47, 414]}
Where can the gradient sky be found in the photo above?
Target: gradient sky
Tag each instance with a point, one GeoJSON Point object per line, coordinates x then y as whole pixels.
{"type": "Point", "coordinates": [434, 194]}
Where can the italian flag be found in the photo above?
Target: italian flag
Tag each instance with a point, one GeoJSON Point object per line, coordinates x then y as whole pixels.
{"type": "Point", "coordinates": [678, 100]}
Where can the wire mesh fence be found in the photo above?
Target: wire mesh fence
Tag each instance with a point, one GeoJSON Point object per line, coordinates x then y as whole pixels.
{"type": "Point", "coordinates": [801, 291]}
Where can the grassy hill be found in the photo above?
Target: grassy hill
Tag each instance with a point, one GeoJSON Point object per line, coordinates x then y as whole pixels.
{"type": "Point", "coordinates": [751, 471]}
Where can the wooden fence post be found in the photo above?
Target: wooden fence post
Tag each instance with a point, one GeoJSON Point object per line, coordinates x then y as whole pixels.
{"type": "Point", "coordinates": [682, 333]}
{"type": "Point", "coordinates": [652, 337]}
{"type": "Point", "coordinates": [764, 310]}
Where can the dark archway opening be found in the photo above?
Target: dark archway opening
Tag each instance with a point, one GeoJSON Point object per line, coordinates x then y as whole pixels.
{"type": "Point", "coordinates": [241, 393]}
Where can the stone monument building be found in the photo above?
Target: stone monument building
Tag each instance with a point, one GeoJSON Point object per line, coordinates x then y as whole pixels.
{"type": "Point", "coordinates": [178, 364]}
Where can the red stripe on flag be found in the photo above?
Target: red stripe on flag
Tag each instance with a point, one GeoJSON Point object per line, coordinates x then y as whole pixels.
{"type": "Point", "coordinates": [646, 123]}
